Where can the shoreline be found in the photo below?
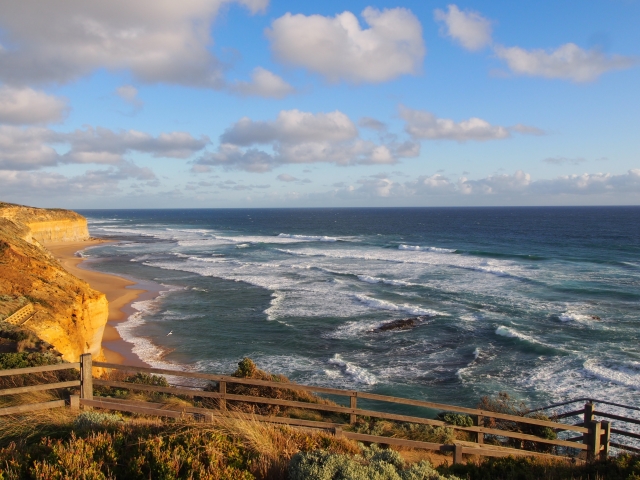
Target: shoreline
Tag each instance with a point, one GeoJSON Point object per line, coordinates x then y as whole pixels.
{"type": "Point", "coordinates": [120, 292]}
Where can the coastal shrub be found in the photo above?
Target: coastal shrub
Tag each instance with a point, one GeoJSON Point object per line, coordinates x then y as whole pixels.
{"type": "Point", "coordinates": [622, 467]}
{"type": "Point", "coordinates": [146, 379]}
{"type": "Point", "coordinates": [457, 419]}
{"type": "Point", "coordinates": [373, 464]}
{"type": "Point", "coordinates": [129, 452]}
{"type": "Point", "coordinates": [93, 419]}
{"type": "Point", "coordinates": [248, 369]}
{"type": "Point", "coordinates": [504, 403]}
{"type": "Point", "coordinates": [410, 431]}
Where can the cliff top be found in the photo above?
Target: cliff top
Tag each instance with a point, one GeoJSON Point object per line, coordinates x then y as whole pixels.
{"type": "Point", "coordinates": [26, 215]}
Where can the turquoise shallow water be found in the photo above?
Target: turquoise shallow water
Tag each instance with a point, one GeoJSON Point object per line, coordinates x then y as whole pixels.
{"type": "Point", "coordinates": [540, 302]}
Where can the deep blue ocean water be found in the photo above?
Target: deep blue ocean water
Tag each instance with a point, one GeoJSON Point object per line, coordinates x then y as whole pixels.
{"type": "Point", "coordinates": [540, 302]}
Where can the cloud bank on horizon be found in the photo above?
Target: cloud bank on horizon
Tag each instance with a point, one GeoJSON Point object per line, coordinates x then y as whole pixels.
{"type": "Point", "coordinates": [220, 103]}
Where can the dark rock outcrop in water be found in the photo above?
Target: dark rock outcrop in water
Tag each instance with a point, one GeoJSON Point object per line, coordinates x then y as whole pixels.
{"type": "Point", "coordinates": [401, 324]}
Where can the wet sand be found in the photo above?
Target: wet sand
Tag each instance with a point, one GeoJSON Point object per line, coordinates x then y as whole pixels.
{"type": "Point", "coordinates": [120, 292]}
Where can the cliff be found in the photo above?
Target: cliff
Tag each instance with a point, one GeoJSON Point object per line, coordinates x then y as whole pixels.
{"type": "Point", "coordinates": [69, 314]}
{"type": "Point", "coordinates": [47, 225]}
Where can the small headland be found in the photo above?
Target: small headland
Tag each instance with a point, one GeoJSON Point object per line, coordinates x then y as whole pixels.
{"type": "Point", "coordinates": [37, 294]}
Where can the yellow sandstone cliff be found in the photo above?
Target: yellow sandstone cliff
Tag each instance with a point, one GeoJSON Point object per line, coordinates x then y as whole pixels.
{"type": "Point", "coordinates": [69, 314]}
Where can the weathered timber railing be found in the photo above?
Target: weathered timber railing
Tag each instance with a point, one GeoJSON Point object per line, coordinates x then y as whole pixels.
{"type": "Point", "coordinates": [587, 414]}
{"type": "Point", "coordinates": [37, 388]}
{"type": "Point", "coordinates": [592, 441]}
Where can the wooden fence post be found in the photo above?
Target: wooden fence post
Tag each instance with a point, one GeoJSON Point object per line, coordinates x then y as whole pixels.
{"type": "Point", "coordinates": [478, 421]}
{"type": "Point", "coordinates": [457, 454]}
{"type": "Point", "coordinates": [353, 403]}
{"type": "Point", "coordinates": [587, 419]}
{"type": "Point", "coordinates": [74, 402]}
{"type": "Point", "coordinates": [595, 437]}
{"type": "Point", "coordinates": [606, 437]}
{"type": "Point", "coordinates": [337, 432]}
{"type": "Point", "coordinates": [86, 377]}
{"type": "Point", "coordinates": [222, 389]}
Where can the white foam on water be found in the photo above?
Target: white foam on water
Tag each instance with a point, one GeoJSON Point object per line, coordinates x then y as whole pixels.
{"type": "Point", "coordinates": [626, 374]}
{"type": "Point", "coordinates": [512, 333]}
{"type": "Point", "coordinates": [572, 316]}
{"type": "Point", "coordinates": [415, 248]}
{"type": "Point", "coordinates": [373, 280]}
{"type": "Point", "coordinates": [276, 300]}
{"type": "Point", "coordinates": [476, 353]}
{"type": "Point", "coordinates": [384, 305]}
{"type": "Point", "coordinates": [143, 347]}
{"type": "Point", "coordinates": [243, 245]}
{"type": "Point", "coordinates": [359, 374]}
{"type": "Point", "coordinates": [309, 238]}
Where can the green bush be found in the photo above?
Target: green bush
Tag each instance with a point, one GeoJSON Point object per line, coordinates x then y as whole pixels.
{"type": "Point", "coordinates": [374, 464]}
{"type": "Point", "coordinates": [10, 361]}
{"type": "Point", "coordinates": [145, 379]}
{"type": "Point", "coordinates": [410, 431]}
{"type": "Point", "coordinates": [457, 419]}
{"type": "Point", "coordinates": [91, 420]}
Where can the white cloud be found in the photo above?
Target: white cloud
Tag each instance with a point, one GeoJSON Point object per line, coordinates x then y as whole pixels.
{"type": "Point", "coordinates": [129, 94]}
{"type": "Point", "coordinates": [285, 177]}
{"type": "Point", "coordinates": [516, 186]}
{"type": "Point", "coordinates": [425, 125]}
{"type": "Point", "coordinates": [157, 40]}
{"type": "Point", "coordinates": [300, 137]}
{"type": "Point", "coordinates": [25, 106]}
{"type": "Point", "coordinates": [468, 28]}
{"type": "Point", "coordinates": [564, 160]}
{"type": "Point", "coordinates": [339, 49]}
{"type": "Point", "coordinates": [93, 182]}
{"type": "Point", "coordinates": [32, 148]}
{"type": "Point", "coordinates": [568, 62]}
{"type": "Point", "coordinates": [372, 123]}
{"type": "Point", "coordinates": [292, 126]}
{"type": "Point", "coordinates": [495, 184]}
{"type": "Point", "coordinates": [263, 84]}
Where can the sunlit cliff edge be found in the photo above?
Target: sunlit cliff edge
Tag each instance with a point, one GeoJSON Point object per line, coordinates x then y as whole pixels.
{"type": "Point", "coordinates": [69, 314]}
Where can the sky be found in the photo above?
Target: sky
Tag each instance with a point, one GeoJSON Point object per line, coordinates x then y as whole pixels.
{"type": "Point", "coordinates": [269, 103]}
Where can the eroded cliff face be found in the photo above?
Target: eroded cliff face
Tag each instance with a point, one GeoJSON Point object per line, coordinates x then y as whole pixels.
{"type": "Point", "coordinates": [47, 225]}
{"type": "Point", "coordinates": [69, 314]}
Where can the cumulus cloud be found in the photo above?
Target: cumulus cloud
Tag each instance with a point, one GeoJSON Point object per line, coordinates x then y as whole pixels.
{"type": "Point", "coordinates": [292, 126]}
{"type": "Point", "coordinates": [422, 125]}
{"type": "Point", "coordinates": [568, 62]}
{"type": "Point", "coordinates": [564, 160]}
{"type": "Point", "coordinates": [285, 177]}
{"type": "Point", "coordinates": [32, 148]}
{"type": "Point", "coordinates": [129, 94]}
{"type": "Point", "coordinates": [516, 185]}
{"type": "Point", "coordinates": [426, 126]}
{"type": "Point", "coordinates": [25, 106]}
{"type": "Point", "coordinates": [92, 182]}
{"type": "Point", "coordinates": [372, 123]}
{"type": "Point", "coordinates": [158, 41]}
{"type": "Point", "coordinates": [300, 137]}
{"type": "Point", "coordinates": [339, 49]}
{"type": "Point", "coordinates": [468, 28]}
{"type": "Point", "coordinates": [263, 84]}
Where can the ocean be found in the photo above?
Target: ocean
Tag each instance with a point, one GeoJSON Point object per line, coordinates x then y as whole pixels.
{"type": "Point", "coordinates": [542, 303]}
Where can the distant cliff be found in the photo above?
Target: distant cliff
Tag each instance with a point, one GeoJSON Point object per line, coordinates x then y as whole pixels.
{"type": "Point", "coordinates": [47, 225]}
{"type": "Point", "coordinates": [69, 314]}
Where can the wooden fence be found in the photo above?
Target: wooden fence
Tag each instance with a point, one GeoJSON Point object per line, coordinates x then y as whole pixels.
{"type": "Point", "coordinates": [589, 412]}
{"type": "Point", "coordinates": [591, 438]}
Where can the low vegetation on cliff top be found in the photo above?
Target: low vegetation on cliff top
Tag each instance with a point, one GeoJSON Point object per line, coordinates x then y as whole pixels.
{"type": "Point", "coordinates": [60, 443]}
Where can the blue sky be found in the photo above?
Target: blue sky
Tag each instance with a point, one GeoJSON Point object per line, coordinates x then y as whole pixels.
{"type": "Point", "coordinates": [259, 103]}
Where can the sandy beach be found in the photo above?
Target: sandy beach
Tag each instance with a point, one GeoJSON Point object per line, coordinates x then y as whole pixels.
{"type": "Point", "coordinates": [120, 293]}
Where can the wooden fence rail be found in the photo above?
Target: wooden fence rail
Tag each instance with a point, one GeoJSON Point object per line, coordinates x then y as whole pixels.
{"type": "Point", "coordinates": [593, 439]}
